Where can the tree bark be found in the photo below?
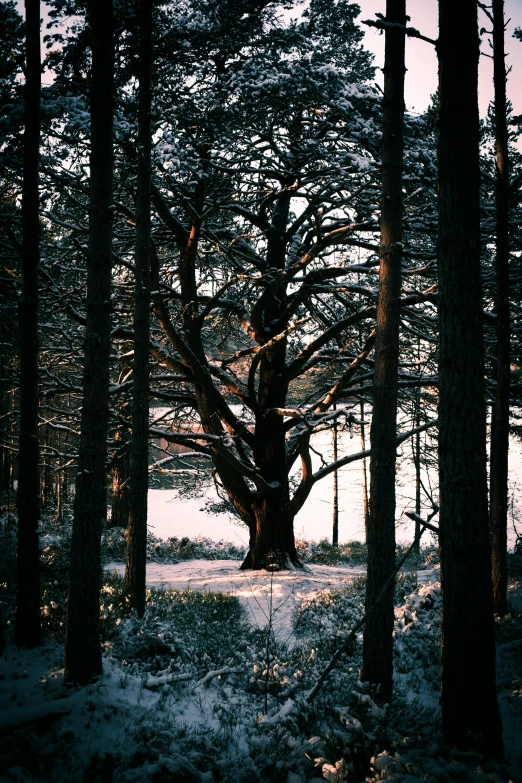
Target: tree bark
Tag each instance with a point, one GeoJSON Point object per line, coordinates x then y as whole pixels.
{"type": "Point", "coordinates": [335, 526]}
{"type": "Point", "coordinates": [378, 641]}
{"type": "Point", "coordinates": [500, 429]}
{"type": "Point", "coordinates": [366, 510]}
{"type": "Point", "coordinates": [272, 542]}
{"type": "Point", "coordinates": [139, 484]}
{"type": "Point", "coordinates": [82, 646]}
{"type": "Point", "coordinates": [470, 714]}
{"type": "Point", "coordinates": [27, 621]}
{"type": "Point", "coordinates": [120, 478]}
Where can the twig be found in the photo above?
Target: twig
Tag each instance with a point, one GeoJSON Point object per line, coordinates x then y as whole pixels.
{"type": "Point", "coordinates": [421, 521]}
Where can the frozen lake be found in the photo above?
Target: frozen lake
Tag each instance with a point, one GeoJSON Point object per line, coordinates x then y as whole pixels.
{"type": "Point", "coordinates": [172, 515]}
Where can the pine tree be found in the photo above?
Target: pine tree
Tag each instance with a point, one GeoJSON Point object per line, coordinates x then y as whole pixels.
{"type": "Point", "coordinates": [82, 646]}
{"type": "Point", "coordinates": [27, 623]}
{"type": "Point", "coordinates": [500, 425]}
{"type": "Point", "coordinates": [378, 641]}
{"type": "Point", "coordinates": [470, 714]}
{"type": "Point", "coordinates": [137, 530]}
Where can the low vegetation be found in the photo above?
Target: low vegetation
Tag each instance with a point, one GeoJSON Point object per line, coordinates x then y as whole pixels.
{"type": "Point", "coordinates": [193, 692]}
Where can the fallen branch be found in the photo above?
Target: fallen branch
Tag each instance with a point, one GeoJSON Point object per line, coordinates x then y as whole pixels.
{"type": "Point", "coordinates": [166, 679]}
{"type": "Point", "coordinates": [169, 679]}
{"type": "Point", "coordinates": [218, 673]}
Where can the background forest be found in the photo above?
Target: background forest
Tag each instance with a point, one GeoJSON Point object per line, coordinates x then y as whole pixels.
{"type": "Point", "coordinates": [220, 240]}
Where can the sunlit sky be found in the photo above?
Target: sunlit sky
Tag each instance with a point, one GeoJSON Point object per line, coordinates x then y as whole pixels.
{"type": "Point", "coordinates": [421, 59]}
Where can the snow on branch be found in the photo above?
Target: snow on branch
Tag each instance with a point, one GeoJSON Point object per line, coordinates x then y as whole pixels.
{"type": "Point", "coordinates": [411, 32]}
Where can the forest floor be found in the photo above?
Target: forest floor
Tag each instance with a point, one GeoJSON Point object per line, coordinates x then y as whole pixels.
{"type": "Point", "coordinates": [211, 684]}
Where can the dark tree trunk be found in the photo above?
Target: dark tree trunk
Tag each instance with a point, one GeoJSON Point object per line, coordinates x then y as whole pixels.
{"type": "Point", "coordinates": [417, 462]}
{"type": "Point", "coordinates": [137, 531]}
{"type": "Point", "coordinates": [500, 428]}
{"type": "Point", "coordinates": [120, 482]}
{"type": "Point", "coordinates": [366, 510]}
{"type": "Point", "coordinates": [378, 641]}
{"type": "Point", "coordinates": [27, 622]}
{"type": "Point", "coordinates": [272, 542]}
{"type": "Point", "coordinates": [335, 526]}
{"type": "Point", "coordinates": [470, 714]}
{"type": "Point", "coordinates": [82, 647]}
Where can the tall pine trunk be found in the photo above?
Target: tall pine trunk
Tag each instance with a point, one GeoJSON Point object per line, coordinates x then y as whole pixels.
{"type": "Point", "coordinates": [139, 484]}
{"type": "Point", "coordinates": [378, 640]}
{"type": "Point", "coordinates": [27, 621]}
{"type": "Point", "coordinates": [82, 646]}
{"type": "Point", "coordinates": [366, 509]}
{"type": "Point", "coordinates": [470, 714]}
{"type": "Point", "coordinates": [335, 520]}
{"type": "Point", "coordinates": [500, 427]}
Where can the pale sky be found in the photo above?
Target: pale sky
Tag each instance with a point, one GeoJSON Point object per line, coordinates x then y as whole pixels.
{"type": "Point", "coordinates": [421, 59]}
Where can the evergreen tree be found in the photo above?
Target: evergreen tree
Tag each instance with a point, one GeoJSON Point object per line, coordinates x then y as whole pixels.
{"type": "Point", "coordinates": [27, 623]}
{"type": "Point", "coordinates": [470, 714]}
{"type": "Point", "coordinates": [137, 530]}
{"type": "Point", "coordinates": [500, 412]}
{"type": "Point", "coordinates": [378, 639]}
{"type": "Point", "coordinates": [82, 648]}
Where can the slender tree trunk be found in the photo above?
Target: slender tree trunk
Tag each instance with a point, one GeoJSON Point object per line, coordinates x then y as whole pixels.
{"type": "Point", "coordinates": [470, 714]}
{"type": "Point", "coordinates": [120, 482]}
{"type": "Point", "coordinates": [335, 531]}
{"type": "Point", "coordinates": [378, 641]}
{"type": "Point", "coordinates": [366, 510]}
{"type": "Point", "coordinates": [137, 531]}
{"type": "Point", "coordinates": [500, 430]}
{"type": "Point", "coordinates": [82, 646]}
{"type": "Point", "coordinates": [417, 461]}
{"type": "Point", "coordinates": [27, 621]}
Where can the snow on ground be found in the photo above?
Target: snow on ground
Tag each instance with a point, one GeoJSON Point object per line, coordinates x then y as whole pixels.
{"type": "Point", "coordinates": [258, 591]}
{"type": "Point", "coordinates": [179, 726]}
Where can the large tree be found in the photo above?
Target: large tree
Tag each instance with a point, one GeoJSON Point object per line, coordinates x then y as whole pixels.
{"type": "Point", "coordinates": [27, 623]}
{"type": "Point", "coordinates": [139, 478]}
{"type": "Point", "coordinates": [470, 714]}
{"type": "Point", "coordinates": [378, 631]}
{"type": "Point", "coordinates": [264, 217]}
{"type": "Point", "coordinates": [500, 411]}
{"type": "Point", "coordinates": [82, 647]}
{"type": "Point", "coordinates": [258, 194]}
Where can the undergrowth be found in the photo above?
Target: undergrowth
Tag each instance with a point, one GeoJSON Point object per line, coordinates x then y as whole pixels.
{"type": "Point", "coordinates": [206, 686]}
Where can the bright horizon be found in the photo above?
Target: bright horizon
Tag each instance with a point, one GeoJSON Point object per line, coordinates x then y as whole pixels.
{"type": "Point", "coordinates": [421, 58]}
